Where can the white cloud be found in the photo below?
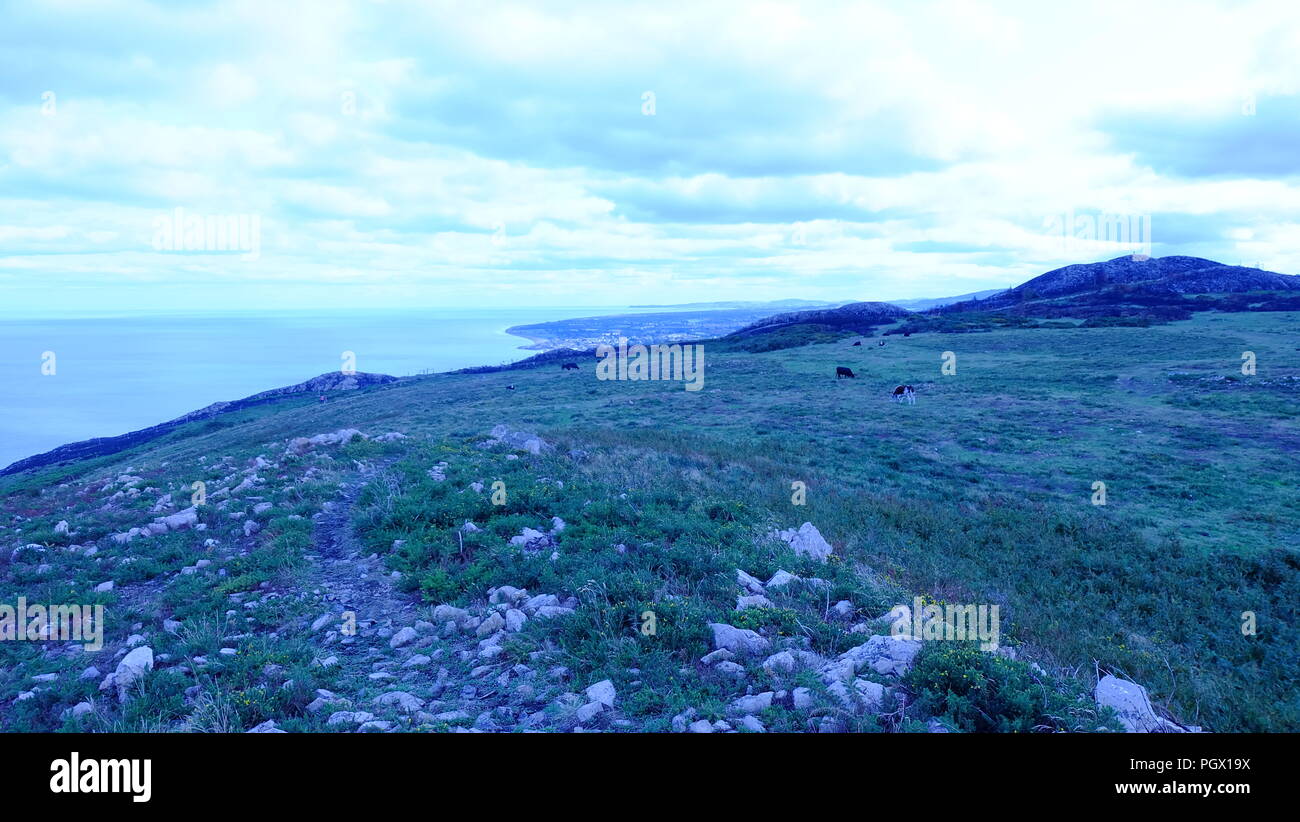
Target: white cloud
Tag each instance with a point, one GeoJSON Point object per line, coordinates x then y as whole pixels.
{"type": "Point", "coordinates": [919, 146]}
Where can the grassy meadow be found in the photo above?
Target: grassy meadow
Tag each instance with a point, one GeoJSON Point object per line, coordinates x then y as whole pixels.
{"type": "Point", "coordinates": [981, 492]}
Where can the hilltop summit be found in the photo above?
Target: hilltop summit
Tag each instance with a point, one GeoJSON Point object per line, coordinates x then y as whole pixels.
{"type": "Point", "coordinates": [1134, 274]}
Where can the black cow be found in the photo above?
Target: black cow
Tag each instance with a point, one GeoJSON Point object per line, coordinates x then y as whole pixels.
{"type": "Point", "coordinates": [841, 372]}
{"type": "Point", "coordinates": [859, 342]}
{"type": "Point", "coordinates": [570, 366]}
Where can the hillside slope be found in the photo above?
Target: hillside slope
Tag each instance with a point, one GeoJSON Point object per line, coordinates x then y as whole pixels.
{"type": "Point", "coordinates": [328, 581]}
{"type": "Point", "coordinates": [323, 385]}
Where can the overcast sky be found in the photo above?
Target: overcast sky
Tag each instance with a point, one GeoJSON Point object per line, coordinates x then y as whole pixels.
{"type": "Point", "coordinates": [483, 154]}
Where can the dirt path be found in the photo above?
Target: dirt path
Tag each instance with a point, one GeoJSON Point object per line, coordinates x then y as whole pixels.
{"type": "Point", "coordinates": [350, 579]}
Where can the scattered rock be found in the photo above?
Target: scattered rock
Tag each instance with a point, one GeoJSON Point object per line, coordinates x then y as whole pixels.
{"type": "Point", "coordinates": [738, 640]}
{"type": "Point", "coordinates": [806, 541]}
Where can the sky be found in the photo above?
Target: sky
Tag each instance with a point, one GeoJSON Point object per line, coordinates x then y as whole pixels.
{"type": "Point", "coordinates": [392, 154]}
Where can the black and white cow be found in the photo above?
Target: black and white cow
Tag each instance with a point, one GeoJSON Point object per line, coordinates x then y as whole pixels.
{"type": "Point", "coordinates": [904, 393]}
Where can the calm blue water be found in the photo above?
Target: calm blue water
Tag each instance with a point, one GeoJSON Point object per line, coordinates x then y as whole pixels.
{"type": "Point", "coordinates": [118, 374]}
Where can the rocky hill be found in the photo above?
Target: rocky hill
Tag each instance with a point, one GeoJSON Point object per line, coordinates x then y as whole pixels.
{"type": "Point", "coordinates": [859, 317]}
{"type": "Point", "coordinates": [1133, 276]}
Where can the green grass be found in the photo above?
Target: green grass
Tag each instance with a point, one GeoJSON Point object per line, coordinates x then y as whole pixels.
{"type": "Point", "coordinates": [981, 492]}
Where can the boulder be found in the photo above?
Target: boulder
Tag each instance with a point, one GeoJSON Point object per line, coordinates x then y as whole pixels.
{"type": "Point", "coordinates": [1132, 706]}
{"type": "Point", "coordinates": [130, 670]}
{"type": "Point", "coordinates": [752, 704]}
{"type": "Point", "coordinates": [602, 692]}
{"type": "Point", "coordinates": [403, 701]}
{"type": "Point", "coordinates": [405, 636]}
{"type": "Point", "coordinates": [806, 541]}
{"type": "Point", "coordinates": [738, 640]}
{"type": "Point", "coordinates": [749, 583]}
{"type": "Point", "coordinates": [883, 654]}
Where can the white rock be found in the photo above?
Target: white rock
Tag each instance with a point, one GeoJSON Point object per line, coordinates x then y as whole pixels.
{"type": "Point", "coordinates": [1132, 706]}
{"type": "Point", "coordinates": [752, 704]}
{"type": "Point", "coordinates": [506, 593]}
{"type": "Point", "coordinates": [602, 692]}
{"type": "Point", "coordinates": [781, 579]}
{"type": "Point", "coordinates": [803, 698]}
{"type": "Point", "coordinates": [738, 640]}
{"type": "Point", "coordinates": [402, 700]}
{"type": "Point", "coordinates": [883, 654]}
{"type": "Point", "coordinates": [782, 662]}
{"type": "Point", "coordinates": [729, 668]}
{"type": "Point", "coordinates": [720, 655]}
{"type": "Point", "coordinates": [132, 669]}
{"type": "Point", "coordinates": [806, 541]}
{"type": "Point", "coordinates": [871, 694]}
{"type": "Point", "coordinates": [405, 636]}
{"type": "Point", "coordinates": [515, 620]}
{"type": "Point", "coordinates": [495, 622]}
{"type": "Point", "coordinates": [267, 727]}
{"type": "Point", "coordinates": [551, 611]}
{"type": "Point", "coordinates": [180, 519]}
{"type": "Point", "coordinates": [749, 583]}
{"type": "Point", "coordinates": [753, 725]}
{"type": "Point", "coordinates": [590, 711]}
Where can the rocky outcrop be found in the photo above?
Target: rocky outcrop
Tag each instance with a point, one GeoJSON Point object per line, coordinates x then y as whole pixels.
{"type": "Point", "coordinates": [1132, 706]}
{"type": "Point", "coordinates": [520, 440]}
{"type": "Point", "coordinates": [806, 541]}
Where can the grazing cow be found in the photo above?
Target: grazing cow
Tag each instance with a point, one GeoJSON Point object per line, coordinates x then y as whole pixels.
{"type": "Point", "coordinates": [841, 372]}
{"type": "Point", "coordinates": [907, 333]}
{"type": "Point", "coordinates": [904, 393]}
{"type": "Point", "coordinates": [510, 387]}
{"type": "Point", "coordinates": [570, 366]}
{"type": "Point", "coordinates": [859, 342]}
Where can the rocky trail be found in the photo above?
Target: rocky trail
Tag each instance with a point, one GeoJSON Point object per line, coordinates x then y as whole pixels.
{"type": "Point", "coordinates": [403, 665]}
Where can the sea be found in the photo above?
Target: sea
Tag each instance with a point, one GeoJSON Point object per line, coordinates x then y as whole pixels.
{"type": "Point", "coordinates": [64, 379]}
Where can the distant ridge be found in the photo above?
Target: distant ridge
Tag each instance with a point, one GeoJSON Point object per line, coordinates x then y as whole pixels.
{"type": "Point", "coordinates": [788, 303]}
{"type": "Point", "coordinates": [936, 302]}
{"type": "Point", "coordinates": [333, 381]}
{"type": "Point", "coordinates": [854, 316]}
